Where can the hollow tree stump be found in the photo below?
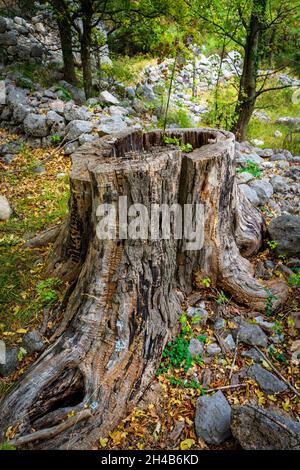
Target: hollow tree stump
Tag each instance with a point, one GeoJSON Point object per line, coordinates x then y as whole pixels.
{"type": "Point", "coordinates": [125, 298]}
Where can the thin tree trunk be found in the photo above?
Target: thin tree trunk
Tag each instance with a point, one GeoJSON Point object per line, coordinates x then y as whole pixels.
{"type": "Point", "coordinates": [125, 301]}
{"type": "Point", "coordinates": [66, 40]}
{"type": "Point", "coordinates": [85, 47]}
{"type": "Point", "coordinates": [247, 90]}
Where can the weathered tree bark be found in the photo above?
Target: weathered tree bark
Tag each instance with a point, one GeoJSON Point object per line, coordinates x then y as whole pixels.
{"type": "Point", "coordinates": [125, 300]}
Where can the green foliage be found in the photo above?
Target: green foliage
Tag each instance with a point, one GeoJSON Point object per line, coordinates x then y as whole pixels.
{"type": "Point", "coordinates": [6, 446]}
{"type": "Point", "coordinates": [21, 354]}
{"type": "Point", "coordinates": [250, 167]}
{"type": "Point", "coordinates": [47, 291]}
{"type": "Point", "coordinates": [222, 298]}
{"type": "Point", "coordinates": [269, 302]}
{"type": "Point", "coordinates": [294, 279]}
{"type": "Point", "coordinates": [207, 282]}
{"type": "Point", "coordinates": [272, 244]}
{"type": "Point", "coordinates": [55, 139]}
{"type": "Point", "coordinates": [187, 148]}
{"type": "Point", "coordinates": [65, 95]}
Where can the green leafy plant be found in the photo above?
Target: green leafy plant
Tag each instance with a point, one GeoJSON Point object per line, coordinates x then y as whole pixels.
{"type": "Point", "coordinates": [6, 446]}
{"type": "Point", "coordinates": [272, 244]}
{"type": "Point", "coordinates": [65, 94]}
{"type": "Point", "coordinates": [175, 141]}
{"type": "Point", "coordinates": [250, 167]}
{"type": "Point", "coordinates": [207, 282]}
{"type": "Point", "coordinates": [47, 291]}
{"type": "Point", "coordinates": [269, 302]}
{"type": "Point", "coordinates": [21, 354]}
{"type": "Point", "coordinates": [55, 139]}
{"type": "Point", "coordinates": [294, 279]}
{"type": "Point", "coordinates": [222, 298]}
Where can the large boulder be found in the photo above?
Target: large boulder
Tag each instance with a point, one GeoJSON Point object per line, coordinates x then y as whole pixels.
{"type": "Point", "coordinates": [285, 231]}
{"type": "Point", "coordinates": [5, 209]}
{"type": "Point", "coordinates": [212, 421]}
{"type": "Point", "coordinates": [35, 125]}
{"type": "Point", "coordinates": [289, 121]}
{"type": "Point", "coordinates": [258, 429]}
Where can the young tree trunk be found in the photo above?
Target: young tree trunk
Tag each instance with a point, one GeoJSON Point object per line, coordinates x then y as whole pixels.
{"type": "Point", "coordinates": [247, 90]}
{"type": "Point", "coordinates": [85, 47]}
{"type": "Point", "coordinates": [126, 294]}
{"type": "Point", "coordinates": [66, 40]}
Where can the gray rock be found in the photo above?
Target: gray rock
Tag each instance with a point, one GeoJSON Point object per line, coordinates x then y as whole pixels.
{"type": "Point", "coordinates": [278, 157]}
{"type": "Point", "coordinates": [279, 184]}
{"type": "Point", "coordinates": [212, 421]}
{"type": "Point", "coordinates": [57, 105]}
{"type": "Point", "coordinates": [3, 24]}
{"type": "Point", "coordinates": [267, 381]}
{"type": "Point", "coordinates": [15, 96]}
{"type": "Point", "coordinates": [33, 342]}
{"type": "Point", "coordinates": [54, 118]}
{"type": "Point", "coordinates": [265, 153]}
{"type": "Point", "coordinates": [252, 334]}
{"type": "Point", "coordinates": [38, 170]}
{"type": "Point", "coordinates": [213, 349]}
{"type": "Point", "coordinates": [263, 189]}
{"type": "Point", "coordinates": [252, 354]}
{"type": "Point", "coordinates": [87, 138]}
{"type": "Point", "coordinates": [112, 125]}
{"type": "Point", "coordinates": [244, 157]}
{"type": "Point", "coordinates": [37, 51]}
{"type": "Point", "coordinates": [266, 325]}
{"type": "Point", "coordinates": [75, 128]}
{"type": "Point", "coordinates": [195, 347]}
{"type": "Point", "coordinates": [76, 113]}
{"type": "Point", "coordinates": [76, 93]}
{"type": "Point", "coordinates": [70, 147]}
{"type": "Point", "coordinates": [36, 125]}
{"type": "Point", "coordinates": [20, 111]}
{"type": "Point", "coordinates": [9, 38]}
{"type": "Point", "coordinates": [285, 231]}
{"type": "Point", "coordinates": [108, 98]}
{"type": "Point", "coordinates": [250, 194]}
{"type": "Point", "coordinates": [199, 314]}
{"type": "Point", "coordinates": [229, 341]}
{"type": "Point", "coordinates": [244, 177]}
{"type": "Point", "coordinates": [11, 362]}
{"type": "Point", "coordinates": [289, 121]}
{"type": "Point", "coordinates": [258, 429]}
{"type": "Point", "coordinates": [219, 324]}
{"type": "Point", "coordinates": [5, 209]}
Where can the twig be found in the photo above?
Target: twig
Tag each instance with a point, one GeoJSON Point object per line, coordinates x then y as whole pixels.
{"type": "Point", "coordinates": [234, 357]}
{"type": "Point", "coordinates": [225, 387]}
{"type": "Point", "coordinates": [51, 432]}
{"type": "Point", "coordinates": [277, 372]}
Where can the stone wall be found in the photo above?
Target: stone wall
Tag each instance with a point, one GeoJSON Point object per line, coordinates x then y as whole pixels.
{"type": "Point", "coordinates": [29, 42]}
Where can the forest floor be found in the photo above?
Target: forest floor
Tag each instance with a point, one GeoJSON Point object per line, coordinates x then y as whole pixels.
{"type": "Point", "coordinates": [165, 417]}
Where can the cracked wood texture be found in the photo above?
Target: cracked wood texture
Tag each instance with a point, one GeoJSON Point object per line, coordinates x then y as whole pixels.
{"type": "Point", "coordinates": [124, 299]}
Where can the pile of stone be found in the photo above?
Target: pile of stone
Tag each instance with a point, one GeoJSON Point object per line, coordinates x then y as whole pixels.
{"type": "Point", "coordinates": [46, 119]}
{"type": "Point", "coordinates": [278, 185]}
{"type": "Point", "coordinates": [30, 42]}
